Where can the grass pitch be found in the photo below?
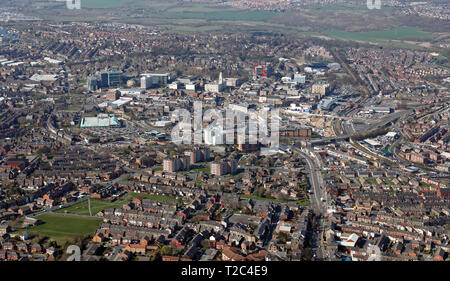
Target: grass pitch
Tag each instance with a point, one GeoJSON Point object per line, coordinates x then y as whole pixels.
{"type": "Point", "coordinates": [64, 228]}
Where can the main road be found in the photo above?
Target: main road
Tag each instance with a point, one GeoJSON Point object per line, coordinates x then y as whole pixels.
{"type": "Point", "coordinates": [317, 189]}
{"type": "Point", "coordinates": [315, 178]}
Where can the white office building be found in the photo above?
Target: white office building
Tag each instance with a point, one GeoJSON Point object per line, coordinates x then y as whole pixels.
{"type": "Point", "coordinates": [149, 80]}
{"type": "Point", "coordinates": [299, 78]}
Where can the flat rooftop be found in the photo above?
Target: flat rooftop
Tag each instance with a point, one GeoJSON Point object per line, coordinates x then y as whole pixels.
{"type": "Point", "coordinates": [101, 120]}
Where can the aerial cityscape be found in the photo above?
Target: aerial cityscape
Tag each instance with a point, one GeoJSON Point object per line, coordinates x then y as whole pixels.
{"type": "Point", "coordinates": [224, 130]}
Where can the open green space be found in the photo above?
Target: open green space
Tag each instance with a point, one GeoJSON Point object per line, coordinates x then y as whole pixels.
{"type": "Point", "coordinates": [198, 7]}
{"type": "Point", "coordinates": [371, 181]}
{"type": "Point", "coordinates": [337, 20]}
{"type": "Point", "coordinates": [223, 15]}
{"type": "Point", "coordinates": [206, 169]}
{"type": "Point", "coordinates": [93, 4]}
{"type": "Point", "coordinates": [340, 7]}
{"type": "Point", "coordinates": [97, 205]}
{"type": "Point", "coordinates": [397, 33]}
{"type": "Point", "coordinates": [64, 228]}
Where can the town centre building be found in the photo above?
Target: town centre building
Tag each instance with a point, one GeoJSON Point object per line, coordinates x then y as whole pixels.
{"type": "Point", "coordinates": [102, 120]}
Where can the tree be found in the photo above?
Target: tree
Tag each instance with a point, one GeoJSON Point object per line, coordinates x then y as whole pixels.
{"type": "Point", "coordinates": [282, 238]}
{"type": "Point", "coordinates": [259, 192]}
{"type": "Point", "coordinates": [43, 150]}
{"type": "Point", "coordinates": [205, 244]}
{"type": "Point", "coordinates": [166, 251]}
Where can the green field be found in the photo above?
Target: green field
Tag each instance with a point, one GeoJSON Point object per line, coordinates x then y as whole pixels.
{"type": "Point", "coordinates": [94, 4]}
{"type": "Point", "coordinates": [371, 181]}
{"type": "Point", "coordinates": [176, 10]}
{"type": "Point", "coordinates": [223, 15]}
{"type": "Point", "coordinates": [64, 228]}
{"type": "Point", "coordinates": [206, 169]}
{"type": "Point", "coordinates": [198, 7]}
{"type": "Point", "coordinates": [98, 205]}
{"type": "Point", "coordinates": [339, 7]}
{"type": "Point", "coordinates": [341, 21]}
{"type": "Point", "coordinates": [398, 33]}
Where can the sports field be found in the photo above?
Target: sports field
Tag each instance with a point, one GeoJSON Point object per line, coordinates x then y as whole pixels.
{"type": "Point", "coordinates": [64, 228]}
{"type": "Point", "coordinates": [98, 205]}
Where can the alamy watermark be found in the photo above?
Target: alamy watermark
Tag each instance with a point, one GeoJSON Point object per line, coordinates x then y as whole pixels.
{"type": "Point", "coordinates": [247, 126]}
{"type": "Point", "coordinates": [75, 253]}
{"type": "Point", "coordinates": [373, 4]}
{"type": "Point", "coordinates": [73, 4]}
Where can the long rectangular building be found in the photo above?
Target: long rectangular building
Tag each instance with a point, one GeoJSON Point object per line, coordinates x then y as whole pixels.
{"type": "Point", "coordinates": [101, 120]}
